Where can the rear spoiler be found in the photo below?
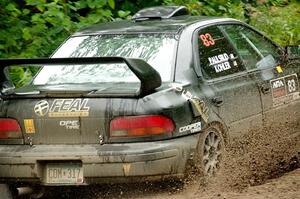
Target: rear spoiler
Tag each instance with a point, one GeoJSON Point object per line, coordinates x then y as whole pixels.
{"type": "Point", "coordinates": [149, 77]}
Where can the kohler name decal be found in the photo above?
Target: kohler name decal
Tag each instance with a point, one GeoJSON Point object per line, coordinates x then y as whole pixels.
{"type": "Point", "coordinates": [62, 108]}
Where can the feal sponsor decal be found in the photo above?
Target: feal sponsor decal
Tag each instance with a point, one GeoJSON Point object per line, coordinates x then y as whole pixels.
{"type": "Point", "coordinates": [62, 108]}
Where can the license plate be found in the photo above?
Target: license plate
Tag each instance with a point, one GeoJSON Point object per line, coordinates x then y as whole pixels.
{"type": "Point", "coordinates": [64, 173]}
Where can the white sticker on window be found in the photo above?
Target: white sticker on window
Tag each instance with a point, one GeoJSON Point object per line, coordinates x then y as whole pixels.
{"type": "Point", "coordinates": [220, 62]}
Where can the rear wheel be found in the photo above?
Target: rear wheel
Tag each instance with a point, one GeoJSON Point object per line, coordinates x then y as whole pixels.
{"type": "Point", "coordinates": [210, 148]}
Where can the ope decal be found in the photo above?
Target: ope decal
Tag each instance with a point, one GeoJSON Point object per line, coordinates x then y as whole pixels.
{"type": "Point", "coordinates": [70, 124]}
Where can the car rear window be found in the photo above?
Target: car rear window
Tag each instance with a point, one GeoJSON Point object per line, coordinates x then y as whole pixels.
{"type": "Point", "coordinates": [157, 49]}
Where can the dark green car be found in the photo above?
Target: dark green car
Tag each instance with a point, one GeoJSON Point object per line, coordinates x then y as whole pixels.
{"type": "Point", "coordinates": [142, 100]}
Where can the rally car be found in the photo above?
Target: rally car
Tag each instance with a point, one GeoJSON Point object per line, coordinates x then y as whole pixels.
{"type": "Point", "coordinates": [143, 99]}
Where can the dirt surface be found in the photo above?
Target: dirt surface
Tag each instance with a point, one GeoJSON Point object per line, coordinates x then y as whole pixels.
{"type": "Point", "coordinates": [261, 164]}
{"type": "Point", "coordinates": [286, 186]}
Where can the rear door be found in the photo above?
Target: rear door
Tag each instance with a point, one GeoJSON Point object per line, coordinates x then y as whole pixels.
{"type": "Point", "coordinates": [278, 82]}
{"type": "Point", "coordinates": [233, 93]}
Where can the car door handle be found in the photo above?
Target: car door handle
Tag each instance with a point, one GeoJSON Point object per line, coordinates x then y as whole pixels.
{"type": "Point", "coordinates": [265, 89]}
{"type": "Point", "coordinates": [217, 101]}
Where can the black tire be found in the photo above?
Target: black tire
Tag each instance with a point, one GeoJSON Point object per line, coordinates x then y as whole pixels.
{"type": "Point", "coordinates": [209, 152]}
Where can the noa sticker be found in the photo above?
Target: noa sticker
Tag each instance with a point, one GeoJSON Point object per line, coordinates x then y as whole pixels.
{"type": "Point", "coordinates": [278, 88]}
{"type": "Point", "coordinates": [285, 89]}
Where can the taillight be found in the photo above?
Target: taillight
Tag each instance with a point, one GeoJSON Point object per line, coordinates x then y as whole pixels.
{"type": "Point", "coordinates": [9, 129]}
{"type": "Point", "coordinates": [136, 126]}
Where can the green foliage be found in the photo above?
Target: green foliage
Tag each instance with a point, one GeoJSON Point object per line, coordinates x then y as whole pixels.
{"type": "Point", "coordinates": [211, 7]}
{"type": "Point", "coordinates": [36, 27]}
{"type": "Point", "coordinates": [21, 76]}
{"type": "Point", "coordinates": [280, 23]}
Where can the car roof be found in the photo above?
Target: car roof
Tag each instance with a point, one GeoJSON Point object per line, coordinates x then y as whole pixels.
{"type": "Point", "coordinates": [172, 25]}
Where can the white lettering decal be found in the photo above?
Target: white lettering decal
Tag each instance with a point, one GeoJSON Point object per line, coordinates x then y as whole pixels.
{"type": "Point", "coordinates": [233, 58]}
{"type": "Point", "coordinates": [291, 85]}
{"type": "Point", "coordinates": [75, 105]}
{"type": "Point", "coordinates": [63, 108]}
{"type": "Point", "coordinates": [70, 124]}
{"type": "Point", "coordinates": [222, 67]}
{"type": "Point", "coordinates": [192, 127]}
{"type": "Point", "coordinates": [65, 105]}
{"type": "Point", "coordinates": [278, 84]}
{"type": "Point", "coordinates": [56, 105]}
{"type": "Point", "coordinates": [83, 106]}
{"type": "Point", "coordinates": [218, 59]}
{"type": "Point", "coordinates": [221, 62]}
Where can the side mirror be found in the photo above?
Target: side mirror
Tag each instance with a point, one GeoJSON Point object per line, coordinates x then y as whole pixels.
{"type": "Point", "coordinates": [293, 52]}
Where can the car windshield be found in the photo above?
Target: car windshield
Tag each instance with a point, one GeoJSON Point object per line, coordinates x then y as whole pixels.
{"type": "Point", "coordinates": [156, 49]}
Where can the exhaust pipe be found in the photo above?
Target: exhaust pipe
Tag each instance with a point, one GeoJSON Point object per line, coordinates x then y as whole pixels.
{"type": "Point", "coordinates": [24, 191]}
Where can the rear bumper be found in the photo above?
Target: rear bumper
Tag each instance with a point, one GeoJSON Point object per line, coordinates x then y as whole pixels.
{"type": "Point", "coordinates": [111, 162]}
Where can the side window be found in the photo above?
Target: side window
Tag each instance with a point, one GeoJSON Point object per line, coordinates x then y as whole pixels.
{"type": "Point", "coordinates": [255, 50]}
{"type": "Point", "coordinates": [216, 54]}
